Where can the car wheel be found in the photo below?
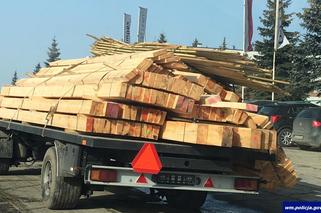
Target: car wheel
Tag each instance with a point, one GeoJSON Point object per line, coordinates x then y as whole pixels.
{"type": "Point", "coordinates": [285, 137]}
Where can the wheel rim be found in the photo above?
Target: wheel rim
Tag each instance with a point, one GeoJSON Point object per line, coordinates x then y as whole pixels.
{"type": "Point", "coordinates": [47, 180]}
{"type": "Point", "coordinates": [286, 137]}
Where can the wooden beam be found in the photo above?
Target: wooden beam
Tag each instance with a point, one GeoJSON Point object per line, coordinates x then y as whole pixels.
{"type": "Point", "coordinates": [88, 107]}
{"type": "Point", "coordinates": [107, 91]}
{"type": "Point", "coordinates": [206, 134]}
{"type": "Point", "coordinates": [84, 123]}
{"type": "Point", "coordinates": [235, 105]}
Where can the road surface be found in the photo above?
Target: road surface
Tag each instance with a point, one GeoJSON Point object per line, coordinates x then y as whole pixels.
{"type": "Point", "coordinates": [20, 192]}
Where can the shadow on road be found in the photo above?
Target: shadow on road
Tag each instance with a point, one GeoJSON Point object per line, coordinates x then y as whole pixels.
{"type": "Point", "coordinates": [272, 200]}
{"type": "Point", "coordinates": [25, 171]}
{"type": "Point", "coordinates": [128, 200]}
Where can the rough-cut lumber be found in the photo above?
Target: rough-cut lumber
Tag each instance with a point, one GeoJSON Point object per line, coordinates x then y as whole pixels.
{"type": "Point", "coordinates": [206, 134]}
{"type": "Point", "coordinates": [108, 91]}
{"type": "Point", "coordinates": [152, 80]}
{"type": "Point", "coordinates": [209, 99]}
{"type": "Point", "coordinates": [207, 113]}
{"type": "Point", "coordinates": [279, 173]}
{"type": "Point", "coordinates": [84, 123]}
{"type": "Point", "coordinates": [231, 66]}
{"type": "Point", "coordinates": [170, 84]}
{"type": "Point", "coordinates": [235, 105]}
{"type": "Point", "coordinates": [87, 107]}
{"type": "Point", "coordinates": [254, 139]}
{"type": "Point", "coordinates": [231, 97]}
{"type": "Point", "coordinates": [260, 120]}
{"type": "Point", "coordinates": [209, 85]}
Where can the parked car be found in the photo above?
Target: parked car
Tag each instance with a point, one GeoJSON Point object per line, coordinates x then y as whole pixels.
{"type": "Point", "coordinates": [282, 115]}
{"type": "Point", "coordinates": [307, 128]}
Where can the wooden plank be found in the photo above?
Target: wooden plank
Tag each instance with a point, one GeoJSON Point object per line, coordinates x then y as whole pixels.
{"type": "Point", "coordinates": [88, 107]}
{"type": "Point", "coordinates": [247, 138]}
{"type": "Point", "coordinates": [209, 85]}
{"type": "Point", "coordinates": [205, 134]}
{"type": "Point", "coordinates": [260, 120]}
{"type": "Point", "coordinates": [207, 113]}
{"type": "Point", "coordinates": [254, 139]}
{"type": "Point", "coordinates": [209, 99]}
{"type": "Point", "coordinates": [169, 84]}
{"type": "Point", "coordinates": [82, 123]}
{"type": "Point", "coordinates": [231, 97]}
{"type": "Point", "coordinates": [107, 91]}
{"type": "Point", "coordinates": [234, 105]}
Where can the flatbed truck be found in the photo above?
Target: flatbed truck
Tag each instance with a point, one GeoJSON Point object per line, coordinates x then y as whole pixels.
{"type": "Point", "coordinates": [76, 164]}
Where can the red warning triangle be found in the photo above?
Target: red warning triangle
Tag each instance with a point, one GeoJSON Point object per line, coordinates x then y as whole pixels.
{"type": "Point", "coordinates": [209, 183]}
{"type": "Point", "coordinates": [141, 179]}
{"type": "Point", "coordinates": [147, 160]}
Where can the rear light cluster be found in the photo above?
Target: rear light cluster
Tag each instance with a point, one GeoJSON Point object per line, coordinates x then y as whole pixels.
{"type": "Point", "coordinates": [246, 184]}
{"type": "Point", "coordinates": [275, 118]}
{"type": "Point", "coordinates": [316, 124]}
{"type": "Point", "coordinates": [103, 175]}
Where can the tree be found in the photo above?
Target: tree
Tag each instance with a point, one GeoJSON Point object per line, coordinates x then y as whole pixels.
{"type": "Point", "coordinates": [14, 78]}
{"type": "Point", "coordinates": [265, 47]}
{"type": "Point", "coordinates": [53, 53]}
{"type": "Point", "coordinates": [307, 63]}
{"type": "Point", "coordinates": [37, 68]}
{"type": "Point", "coordinates": [196, 43]}
{"type": "Point", "coordinates": [223, 45]}
{"type": "Point", "coordinates": [162, 38]}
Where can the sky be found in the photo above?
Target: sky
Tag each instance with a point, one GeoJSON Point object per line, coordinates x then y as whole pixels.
{"type": "Point", "coordinates": [27, 27]}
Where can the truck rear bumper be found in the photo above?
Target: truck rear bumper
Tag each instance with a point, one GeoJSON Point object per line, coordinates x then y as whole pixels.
{"type": "Point", "coordinates": [170, 180]}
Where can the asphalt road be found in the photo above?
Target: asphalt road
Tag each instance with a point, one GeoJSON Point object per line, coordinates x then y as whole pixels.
{"type": "Point", "coordinates": [20, 192]}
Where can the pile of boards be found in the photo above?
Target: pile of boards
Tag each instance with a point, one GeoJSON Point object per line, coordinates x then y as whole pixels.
{"type": "Point", "coordinates": [139, 95]}
{"type": "Point", "coordinates": [229, 66]}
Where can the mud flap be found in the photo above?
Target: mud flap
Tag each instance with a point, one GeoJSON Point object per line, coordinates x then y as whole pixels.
{"type": "Point", "coordinates": [68, 157]}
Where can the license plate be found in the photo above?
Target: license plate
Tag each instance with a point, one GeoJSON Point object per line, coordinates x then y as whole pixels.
{"type": "Point", "coordinates": [174, 179]}
{"type": "Point", "coordinates": [299, 137]}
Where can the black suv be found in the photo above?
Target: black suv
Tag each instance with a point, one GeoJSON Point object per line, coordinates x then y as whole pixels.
{"type": "Point", "coordinates": [282, 115]}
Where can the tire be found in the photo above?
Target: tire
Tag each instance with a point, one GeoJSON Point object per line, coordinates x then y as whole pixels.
{"type": "Point", "coordinates": [57, 192]}
{"type": "Point", "coordinates": [285, 137]}
{"type": "Point", "coordinates": [4, 166]}
{"type": "Point", "coordinates": [185, 199]}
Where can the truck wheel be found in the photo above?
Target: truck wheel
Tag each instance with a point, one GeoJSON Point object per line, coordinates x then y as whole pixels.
{"type": "Point", "coordinates": [185, 199]}
{"type": "Point", "coordinates": [57, 192]}
{"type": "Point", "coordinates": [4, 166]}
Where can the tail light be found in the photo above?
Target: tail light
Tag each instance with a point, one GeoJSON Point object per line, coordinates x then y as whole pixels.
{"type": "Point", "coordinates": [246, 184]}
{"type": "Point", "coordinates": [104, 175]}
{"type": "Point", "coordinates": [316, 124]}
{"type": "Point", "coordinates": [275, 118]}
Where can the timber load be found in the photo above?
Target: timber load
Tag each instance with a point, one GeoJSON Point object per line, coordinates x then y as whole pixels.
{"type": "Point", "coordinates": [142, 95]}
{"type": "Point", "coordinates": [228, 66]}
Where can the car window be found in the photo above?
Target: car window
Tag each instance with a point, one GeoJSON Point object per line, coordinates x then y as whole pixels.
{"type": "Point", "coordinates": [310, 113]}
{"type": "Point", "coordinates": [297, 109]}
{"type": "Point", "coordinates": [274, 110]}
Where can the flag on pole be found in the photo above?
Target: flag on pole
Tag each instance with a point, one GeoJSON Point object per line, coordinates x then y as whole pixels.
{"type": "Point", "coordinates": [282, 39]}
{"type": "Point", "coordinates": [142, 24]}
{"type": "Point", "coordinates": [127, 23]}
{"type": "Point", "coordinates": [248, 25]}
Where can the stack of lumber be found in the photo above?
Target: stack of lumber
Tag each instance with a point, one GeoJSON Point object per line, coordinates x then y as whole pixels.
{"type": "Point", "coordinates": [141, 95]}
{"type": "Point", "coordinates": [137, 95]}
{"type": "Point", "coordinates": [229, 66]}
